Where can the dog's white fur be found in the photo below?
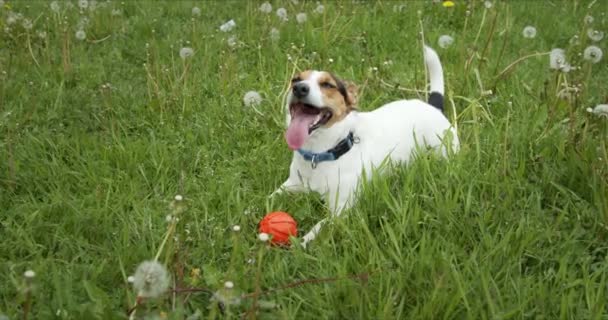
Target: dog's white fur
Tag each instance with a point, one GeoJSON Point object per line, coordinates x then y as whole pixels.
{"type": "Point", "coordinates": [393, 131]}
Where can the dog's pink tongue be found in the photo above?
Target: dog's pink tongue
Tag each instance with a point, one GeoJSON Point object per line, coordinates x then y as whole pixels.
{"type": "Point", "coordinates": [297, 132]}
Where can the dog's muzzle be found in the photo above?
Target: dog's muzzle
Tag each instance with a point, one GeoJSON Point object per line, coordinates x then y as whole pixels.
{"type": "Point", "coordinates": [300, 90]}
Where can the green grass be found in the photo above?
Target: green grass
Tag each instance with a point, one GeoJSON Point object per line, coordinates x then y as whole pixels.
{"type": "Point", "coordinates": [514, 226]}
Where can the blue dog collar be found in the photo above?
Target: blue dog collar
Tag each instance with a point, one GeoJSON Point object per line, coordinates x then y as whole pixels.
{"type": "Point", "coordinates": [332, 154]}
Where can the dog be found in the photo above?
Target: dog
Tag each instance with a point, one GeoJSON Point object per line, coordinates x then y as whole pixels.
{"type": "Point", "coordinates": [334, 144]}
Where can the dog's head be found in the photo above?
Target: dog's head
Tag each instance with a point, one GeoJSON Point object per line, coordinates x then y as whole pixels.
{"type": "Point", "coordinates": [317, 99]}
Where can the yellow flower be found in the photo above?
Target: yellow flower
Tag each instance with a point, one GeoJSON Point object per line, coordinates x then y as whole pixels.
{"type": "Point", "coordinates": [448, 4]}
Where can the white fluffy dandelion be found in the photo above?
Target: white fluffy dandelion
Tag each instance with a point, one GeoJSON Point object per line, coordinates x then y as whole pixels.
{"type": "Point", "coordinates": [320, 8]}
{"type": "Point", "coordinates": [229, 25]}
{"type": "Point", "coordinates": [186, 53]}
{"type": "Point", "coordinates": [196, 11]}
{"type": "Point", "coordinates": [252, 98]}
{"type": "Point", "coordinates": [600, 110]}
{"type": "Point", "coordinates": [595, 35]}
{"type": "Point", "coordinates": [116, 12]}
{"type": "Point", "coordinates": [529, 32]}
{"type": "Point", "coordinates": [557, 58]}
{"type": "Point", "coordinates": [179, 197]}
{"type": "Point", "coordinates": [266, 7]}
{"type": "Point", "coordinates": [81, 35]}
{"type": "Point", "coordinates": [232, 41]}
{"type": "Point", "coordinates": [236, 228]}
{"type": "Point", "coordinates": [151, 279]}
{"type": "Point", "coordinates": [282, 14]}
{"type": "Point", "coordinates": [593, 54]}
{"type": "Point", "coordinates": [228, 284]}
{"type": "Point", "coordinates": [275, 34]}
{"type": "Point", "coordinates": [13, 17]}
{"type": "Point", "coordinates": [301, 17]}
{"type": "Point", "coordinates": [575, 41]}
{"type": "Point", "coordinates": [488, 4]}
{"type": "Point", "coordinates": [263, 237]}
{"type": "Point", "coordinates": [27, 24]}
{"type": "Point", "coordinates": [588, 19]}
{"type": "Point", "coordinates": [55, 6]}
{"type": "Point", "coordinates": [445, 41]}
{"type": "Point", "coordinates": [41, 34]}
{"type": "Point", "coordinates": [29, 274]}
{"type": "Point", "coordinates": [83, 4]}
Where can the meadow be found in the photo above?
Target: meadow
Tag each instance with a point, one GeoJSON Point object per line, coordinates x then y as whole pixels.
{"type": "Point", "coordinates": [154, 131]}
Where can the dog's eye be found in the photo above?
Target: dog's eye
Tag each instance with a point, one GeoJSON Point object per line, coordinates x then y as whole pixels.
{"type": "Point", "coordinates": [327, 85]}
{"type": "Point", "coordinates": [296, 79]}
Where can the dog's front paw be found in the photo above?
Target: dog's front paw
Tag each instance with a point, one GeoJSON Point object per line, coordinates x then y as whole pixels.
{"type": "Point", "coordinates": [276, 192]}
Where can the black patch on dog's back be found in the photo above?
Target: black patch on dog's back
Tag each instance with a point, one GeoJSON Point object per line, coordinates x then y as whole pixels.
{"type": "Point", "coordinates": [436, 100]}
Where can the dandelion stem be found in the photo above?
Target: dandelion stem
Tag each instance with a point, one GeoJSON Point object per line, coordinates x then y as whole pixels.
{"type": "Point", "coordinates": [167, 235]}
{"type": "Point", "coordinates": [396, 86]}
{"type": "Point", "coordinates": [29, 47]}
{"type": "Point", "coordinates": [514, 63]}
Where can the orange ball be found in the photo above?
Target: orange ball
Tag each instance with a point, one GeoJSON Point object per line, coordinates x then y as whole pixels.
{"type": "Point", "coordinates": [280, 225]}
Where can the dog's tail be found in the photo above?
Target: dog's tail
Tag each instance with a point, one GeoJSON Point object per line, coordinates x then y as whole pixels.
{"type": "Point", "coordinates": [436, 74]}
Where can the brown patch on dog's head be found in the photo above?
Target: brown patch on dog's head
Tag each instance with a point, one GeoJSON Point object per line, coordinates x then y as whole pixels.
{"type": "Point", "coordinates": [340, 96]}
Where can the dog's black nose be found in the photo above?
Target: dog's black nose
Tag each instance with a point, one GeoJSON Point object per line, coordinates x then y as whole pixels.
{"type": "Point", "coordinates": [300, 90]}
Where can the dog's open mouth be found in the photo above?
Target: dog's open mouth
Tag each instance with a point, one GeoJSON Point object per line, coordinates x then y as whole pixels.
{"type": "Point", "coordinates": [304, 120]}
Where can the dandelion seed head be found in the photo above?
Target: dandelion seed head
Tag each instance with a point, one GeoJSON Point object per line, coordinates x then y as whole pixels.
{"type": "Point", "coordinates": [252, 98]}
{"type": "Point", "coordinates": [185, 53]}
{"type": "Point", "coordinates": [320, 8]}
{"type": "Point", "coordinates": [92, 5]}
{"type": "Point", "coordinates": [228, 285]}
{"type": "Point", "coordinates": [196, 11]}
{"type": "Point", "coordinates": [12, 17]}
{"type": "Point", "coordinates": [117, 12]}
{"type": "Point", "coordinates": [595, 35]}
{"type": "Point", "coordinates": [445, 41]}
{"type": "Point", "coordinates": [266, 7]}
{"type": "Point", "coordinates": [228, 26]}
{"type": "Point", "coordinates": [274, 34]}
{"type": "Point", "coordinates": [488, 4]}
{"type": "Point", "coordinates": [29, 274]}
{"type": "Point", "coordinates": [55, 6]}
{"type": "Point", "coordinates": [27, 24]}
{"type": "Point", "coordinates": [83, 4]}
{"type": "Point", "coordinates": [588, 19]}
{"type": "Point", "coordinates": [81, 35]}
{"type": "Point", "coordinates": [130, 279]}
{"type": "Point", "coordinates": [574, 40]}
{"type": "Point", "coordinates": [151, 279]}
{"type": "Point", "coordinates": [529, 32]}
{"type": "Point", "coordinates": [232, 41]}
{"type": "Point", "coordinates": [236, 228]}
{"type": "Point", "coordinates": [593, 54]}
{"type": "Point", "coordinates": [282, 14]}
{"type": "Point", "coordinates": [557, 58]}
{"type": "Point", "coordinates": [263, 237]}
{"type": "Point", "coordinates": [301, 17]}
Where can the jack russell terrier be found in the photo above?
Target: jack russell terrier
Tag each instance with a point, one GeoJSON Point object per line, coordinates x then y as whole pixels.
{"type": "Point", "coordinates": [334, 143]}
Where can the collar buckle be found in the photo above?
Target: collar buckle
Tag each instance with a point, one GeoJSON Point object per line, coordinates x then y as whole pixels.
{"type": "Point", "coordinates": [314, 161]}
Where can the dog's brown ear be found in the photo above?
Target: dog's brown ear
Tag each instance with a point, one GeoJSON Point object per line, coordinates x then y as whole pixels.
{"type": "Point", "coordinates": [352, 94]}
